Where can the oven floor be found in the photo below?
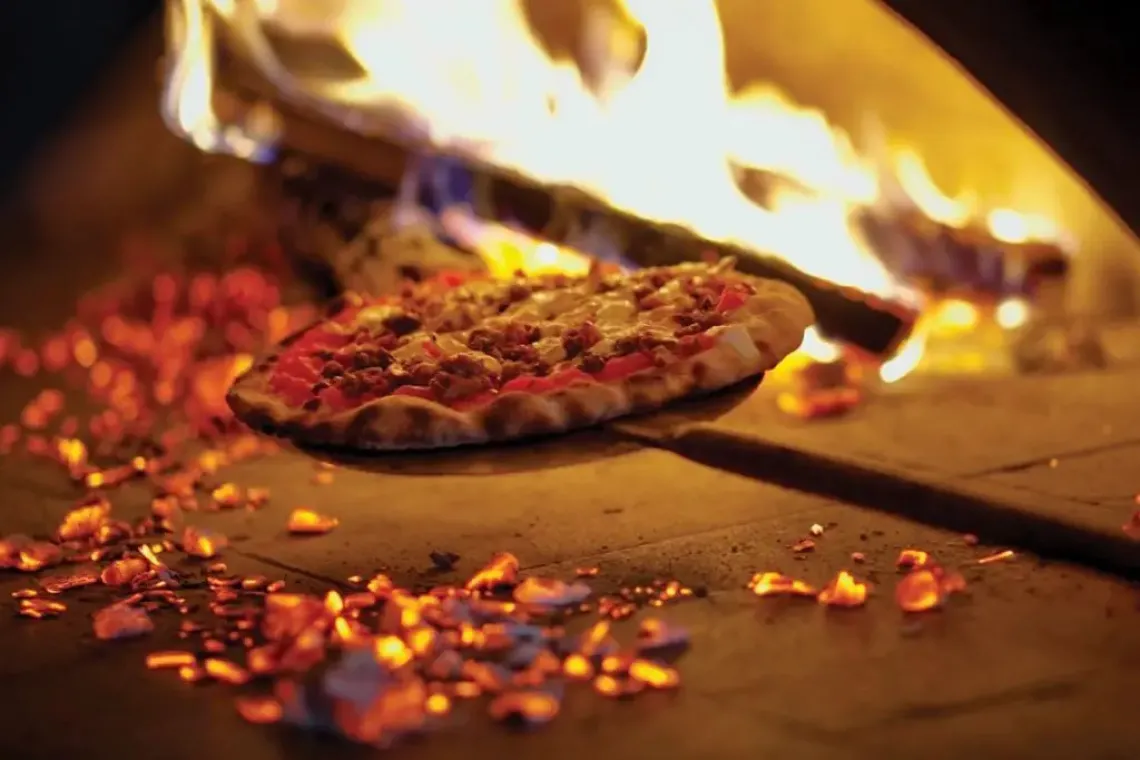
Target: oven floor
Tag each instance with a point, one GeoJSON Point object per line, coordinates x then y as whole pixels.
{"type": "Point", "coordinates": [1036, 659]}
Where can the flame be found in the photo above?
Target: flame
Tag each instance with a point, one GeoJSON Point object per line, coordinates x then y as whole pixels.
{"type": "Point", "coordinates": [522, 110]}
{"type": "Point", "coordinates": [187, 99]}
{"type": "Point", "coordinates": [817, 348]}
{"type": "Point", "coordinates": [814, 349]}
{"type": "Point", "coordinates": [920, 188]}
{"type": "Point", "coordinates": [665, 141]}
{"type": "Point", "coordinates": [506, 251]}
{"type": "Point", "coordinates": [1012, 227]}
{"type": "Point", "coordinates": [907, 359]}
{"type": "Point", "coordinates": [1012, 313]}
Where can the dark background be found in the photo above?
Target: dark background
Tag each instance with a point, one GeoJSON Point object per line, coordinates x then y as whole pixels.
{"type": "Point", "coordinates": [1067, 68]}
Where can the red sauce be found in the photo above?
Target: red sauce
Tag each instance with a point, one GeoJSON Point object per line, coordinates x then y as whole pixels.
{"type": "Point", "coordinates": [471, 402]}
{"type": "Point", "coordinates": [529, 384]}
{"type": "Point", "coordinates": [731, 299]}
{"type": "Point", "coordinates": [298, 369]}
{"type": "Point", "coordinates": [623, 366]}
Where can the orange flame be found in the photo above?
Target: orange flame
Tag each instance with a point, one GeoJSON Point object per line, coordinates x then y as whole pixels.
{"type": "Point", "coordinates": [490, 89]}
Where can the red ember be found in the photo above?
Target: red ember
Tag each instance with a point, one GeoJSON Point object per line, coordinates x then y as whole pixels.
{"type": "Point", "coordinates": [910, 559]}
{"type": "Point", "coordinates": [919, 591]}
{"type": "Point", "coordinates": [997, 557]}
{"type": "Point", "coordinates": [1132, 527]}
{"type": "Point", "coordinates": [307, 522]}
{"type": "Point", "coordinates": [844, 591]}
{"type": "Point", "coordinates": [771, 584]}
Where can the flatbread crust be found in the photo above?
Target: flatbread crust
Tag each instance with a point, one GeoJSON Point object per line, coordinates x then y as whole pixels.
{"type": "Point", "coordinates": [774, 328]}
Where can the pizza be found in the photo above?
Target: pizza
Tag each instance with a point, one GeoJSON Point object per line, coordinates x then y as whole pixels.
{"type": "Point", "coordinates": [465, 360]}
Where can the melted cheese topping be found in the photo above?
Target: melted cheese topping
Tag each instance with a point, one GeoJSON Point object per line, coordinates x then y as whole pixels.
{"type": "Point", "coordinates": [614, 312]}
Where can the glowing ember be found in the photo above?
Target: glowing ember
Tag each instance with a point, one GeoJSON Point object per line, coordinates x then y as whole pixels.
{"type": "Point", "coordinates": [502, 570]}
{"type": "Point", "coordinates": [123, 571]}
{"type": "Point", "coordinates": [912, 559]}
{"type": "Point", "coordinates": [997, 557]}
{"type": "Point", "coordinates": [308, 522]}
{"type": "Point", "coordinates": [72, 454]}
{"type": "Point", "coordinates": [657, 637]}
{"type": "Point", "coordinates": [226, 671]}
{"type": "Point", "coordinates": [803, 545]}
{"type": "Point", "coordinates": [578, 667]}
{"type": "Point", "coordinates": [84, 521]}
{"type": "Point", "coordinates": [259, 709]}
{"type": "Point", "coordinates": [202, 543]}
{"type": "Point", "coordinates": [36, 555]}
{"type": "Point", "coordinates": [227, 495]}
{"type": "Point", "coordinates": [57, 584]}
{"type": "Point", "coordinates": [551, 592]}
{"type": "Point", "coordinates": [120, 621]}
{"type": "Point", "coordinates": [844, 591]}
{"type": "Point", "coordinates": [1132, 527]}
{"type": "Point", "coordinates": [41, 608]}
{"type": "Point", "coordinates": [531, 708]}
{"type": "Point", "coordinates": [654, 674]}
{"type": "Point", "coordinates": [774, 584]}
{"type": "Point", "coordinates": [919, 591]}
{"type": "Point", "coordinates": [161, 660]}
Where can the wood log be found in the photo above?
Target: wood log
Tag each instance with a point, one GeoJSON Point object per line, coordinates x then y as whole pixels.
{"type": "Point", "coordinates": [965, 261]}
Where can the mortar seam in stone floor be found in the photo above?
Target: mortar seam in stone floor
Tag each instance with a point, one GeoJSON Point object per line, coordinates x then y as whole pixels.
{"type": "Point", "coordinates": [1021, 488]}
{"type": "Point", "coordinates": [666, 540]}
{"type": "Point", "coordinates": [801, 729]}
{"type": "Point", "coordinates": [266, 560]}
{"type": "Point", "coordinates": [1029, 464]}
{"type": "Point", "coordinates": [1043, 690]}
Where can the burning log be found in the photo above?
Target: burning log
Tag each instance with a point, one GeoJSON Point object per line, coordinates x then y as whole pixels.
{"type": "Point", "coordinates": [846, 314]}
{"type": "Point", "coordinates": [969, 259]}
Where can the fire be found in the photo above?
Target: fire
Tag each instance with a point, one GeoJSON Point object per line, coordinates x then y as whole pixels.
{"type": "Point", "coordinates": [506, 251]}
{"type": "Point", "coordinates": [924, 193]}
{"type": "Point", "coordinates": [484, 87]}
